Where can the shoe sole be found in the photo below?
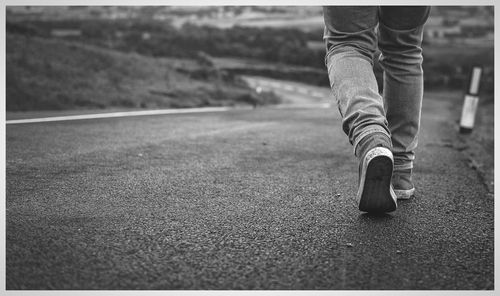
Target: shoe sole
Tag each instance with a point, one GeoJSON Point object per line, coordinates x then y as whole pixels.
{"type": "Point", "coordinates": [375, 193]}
{"type": "Point", "coordinates": [404, 193]}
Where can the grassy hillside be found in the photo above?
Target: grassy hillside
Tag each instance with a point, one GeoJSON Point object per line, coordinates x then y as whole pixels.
{"type": "Point", "coordinates": [47, 74]}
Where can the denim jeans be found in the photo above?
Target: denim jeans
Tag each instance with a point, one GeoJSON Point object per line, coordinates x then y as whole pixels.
{"type": "Point", "coordinates": [352, 36]}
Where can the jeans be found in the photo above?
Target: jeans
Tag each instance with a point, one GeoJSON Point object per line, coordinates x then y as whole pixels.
{"type": "Point", "coordinates": [352, 35]}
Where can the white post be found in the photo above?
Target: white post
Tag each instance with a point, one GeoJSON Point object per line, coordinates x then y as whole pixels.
{"type": "Point", "coordinates": [470, 102]}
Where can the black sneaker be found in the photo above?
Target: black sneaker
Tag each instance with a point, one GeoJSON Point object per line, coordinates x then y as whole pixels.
{"type": "Point", "coordinates": [375, 193]}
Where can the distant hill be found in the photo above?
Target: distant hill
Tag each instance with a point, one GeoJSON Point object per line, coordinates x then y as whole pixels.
{"type": "Point", "coordinates": [45, 74]}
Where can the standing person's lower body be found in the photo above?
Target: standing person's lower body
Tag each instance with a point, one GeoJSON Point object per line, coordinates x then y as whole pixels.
{"type": "Point", "coordinates": [383, 129]}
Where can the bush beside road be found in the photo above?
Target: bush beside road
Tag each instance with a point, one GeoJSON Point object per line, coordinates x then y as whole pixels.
{"type": "Point", "coordinates": [45, 74]}
{"type": "Point", "coordinates": [446, 65]}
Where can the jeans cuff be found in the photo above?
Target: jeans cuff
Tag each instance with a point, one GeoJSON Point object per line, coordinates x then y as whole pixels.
{"type": "Point", "coordinates": [368, 131]}
{"type": "Point", "coordinates": [403, 166]}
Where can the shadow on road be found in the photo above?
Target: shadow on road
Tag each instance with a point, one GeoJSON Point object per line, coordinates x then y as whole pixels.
{"type": "Point", "coordinates": [403, 205]}
{"type": "Point", "coordinates": [374, 217]}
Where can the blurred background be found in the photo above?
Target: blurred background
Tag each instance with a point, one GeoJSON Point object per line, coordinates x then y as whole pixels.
{"type": "Point", "coordinates": [113, 57]}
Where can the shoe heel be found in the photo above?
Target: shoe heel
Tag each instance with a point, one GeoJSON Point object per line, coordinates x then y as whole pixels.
{"type": "Point", "coordinates": [375, 192]}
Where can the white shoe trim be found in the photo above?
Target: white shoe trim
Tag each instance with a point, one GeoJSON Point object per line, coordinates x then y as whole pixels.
{"type": "Point", "coordinates": [404, 193]}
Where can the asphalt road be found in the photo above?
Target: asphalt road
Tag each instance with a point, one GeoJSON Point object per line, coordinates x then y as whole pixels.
{"type": "Point", "coordinates": [245, 199]}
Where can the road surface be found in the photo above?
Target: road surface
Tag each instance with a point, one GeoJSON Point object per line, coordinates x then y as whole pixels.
{"type": "Point", "coordinates": [244, 199]}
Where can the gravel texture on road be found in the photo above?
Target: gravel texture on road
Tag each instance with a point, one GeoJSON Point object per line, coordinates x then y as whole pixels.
{"type": "Point", "coordinates": [260, 199]}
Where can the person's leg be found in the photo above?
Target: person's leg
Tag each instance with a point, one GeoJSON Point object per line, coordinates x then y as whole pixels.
{"type": "Point", "coordinates": [351, 44]}
{"type": "Point", "coordinates": [400, 39]}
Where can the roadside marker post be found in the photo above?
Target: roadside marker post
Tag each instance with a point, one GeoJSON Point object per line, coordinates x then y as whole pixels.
{"type": "Point", "coordinates": [470, 102]}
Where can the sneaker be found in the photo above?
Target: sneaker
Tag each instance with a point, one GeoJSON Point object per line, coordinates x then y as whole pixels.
{"type": "Point", "coordinates": [403, 186]}
{"type": "Point", "coordinates": [375, 193]}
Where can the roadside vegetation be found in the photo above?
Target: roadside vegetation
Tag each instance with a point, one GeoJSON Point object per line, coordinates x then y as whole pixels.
{"type": "Point", "coordinates": [51, 74]}
{"type": "Point", "coordinates": [149, 64]}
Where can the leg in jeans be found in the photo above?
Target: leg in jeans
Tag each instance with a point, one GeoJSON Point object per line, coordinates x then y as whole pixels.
{"type": "Point", "coordinates": [351, 44]}
{"type": "Point", "coordinates": [400, 39]}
